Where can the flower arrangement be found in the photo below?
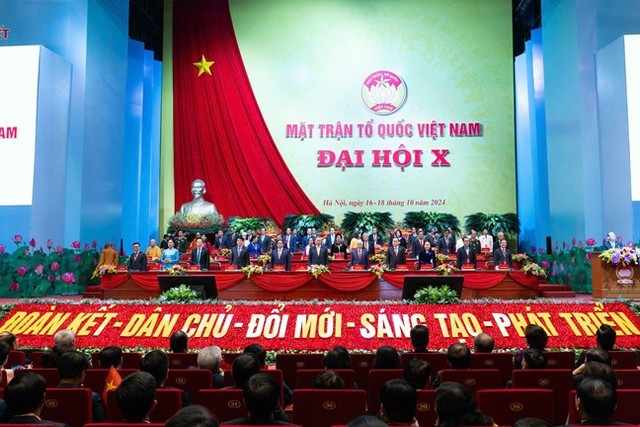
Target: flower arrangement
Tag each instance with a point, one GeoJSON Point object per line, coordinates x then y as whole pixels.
{"type": "Point", "coordinates": [379, 269]}
{"type": "Point", "coordinates": [446, 269]}
{"type": "Point", "coordinates": [520, 257]}
{"type": "Point", "coordinates": [382, 249]}
{"type": "Point", "coordinates": [252, 269]}
{"type": "Point", "coordinates": [181, 293]}
{"type": "Point", "coordinates": [436, 295]}
{"type": "Point", "coordinates": [442, 258]}
{"type": "Point", "coordinates": [380, 258]}
{"type": "Point", "coordinates": [177, 270]}
{"type": "Point", "coordinates": [317, 270]}
{"type": "Point", "coordinates": [590, 241]}
{"type": "Point", "coordinates": [225, 252]}
{"type": "Point", "coordinates": [264, 259]}
{"type": "Point", "coordinates": [621, 256]}
{"type": "Point", "coordinates": [103, 270]}
{"type": "Point", "coordinates": [534, 269]}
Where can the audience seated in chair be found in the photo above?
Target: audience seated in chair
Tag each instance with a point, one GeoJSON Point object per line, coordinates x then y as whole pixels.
{"type": "Point", "coordinates": [65, 337]}
{"type": "Point", "coordinates": [367, 421]}
{"type": "Point", "coordinates": [179, 342]}
{"type": "Point", "coordinates": [458, 357]}
{"type": "Point", "coordinates": [483, 343]}
{"type": "Point", "coordinates": [156, 363]}
{"type": "Point", "coordinates": [419, 338]}
{"type": "Point", "coordinates": [398, 401]}
{"type": "Point", "coordinates": [531, 422]}
{"type": "Point", "coordinates": [192, 416]}
{"type": "Point", "coordinates": [136, 397]}
{"type": "Point", "coordinates": [110, 356]}
{"type": "Point", "coordinates": [536, 337]}
{"type": "Point", "coordinates": [595, 402]}
{"type": "Point", "coordinates": [210, 358]}
{"type": "Point", "coordinates": [25, 399]}
{"type": "Point", "coordinates": [244, 367]}
{"type": "Point", "coordinates": [386, 357]}
{"type": "Point", "coordinates": [328, 380]}
{"type": "Point", "coordinates": [338, 358]}
{"type": "Point", "coordinates": [457, 406]}
{"type": "Point", "coordinates": [72, 368]}
{"type": "Point", "coordinates": [418, 373]}
{"type": "Point", "coordinates": [605, 339]}
{"type": "Point", "coordinates": [261, 354]}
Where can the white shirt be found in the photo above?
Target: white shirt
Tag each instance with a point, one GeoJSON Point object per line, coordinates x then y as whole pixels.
{"type": "Point", "coordinates": [486, 241]}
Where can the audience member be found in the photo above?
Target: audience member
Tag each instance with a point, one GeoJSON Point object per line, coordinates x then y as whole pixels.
{"type": "Point", "coordinates": [483, 343]}
{"type": "Point", "coordinates": [136, 397]}
{"type": "Point", "coordinates": [328, 380]}
{"type": "Point", "coordinates": [258, 351]}
{"type": "Point", "coordinates": [261, 394]}
{"type": "Point", "coordinates": [458, 357]}
{"type": "Point", "coordinates": [386, 358]}
{"type": "Point", "coordinates": [179, 342]}
{"type": "Point", "coordinates": [156, 362]}
{"type": "Point", "coordinates": [533, 359]}
{"type": "Point", "coordinates": [417, 373]}
{"type": "Point", "coordinates": [110, 356]}
{"type": "Point", "coordinates": [398, 401]}
{"type": "Point", "coordinates": [597, 370]}
{"type": "Point", "coordinates": [536, 337]}
{"type": "Point", "coordinates": [50, 357]}
{"type": "Point", "coordinates": [605, 339]}
{"type": "Point", "coordinates": [210, 358]}
{"type": "Point", "coordinates": [192, 416]}
{"type": "Point", "coordinates": [5, 349]}
{"type": "Point", "coordinates": [72, 368]}
{"type": "Point", "coordinates": [595, 354]}
{"type": "Point", "coordinates": [419, 338]}
{"type": "Point", "coordinates": [367, 421]}
{"type": "Point", "coordinates": [65, 337]}
{"type": "Point", "coordinates": [531, 422]}
{"type": "Point", "coordinates": [10, 339]}
{"type": "Point", "coordinates": [595, 401]}
{"type": "Point", "coordinates": [24, 397]}
{"type": "Point", "coordinates": [335, 359]}
{"type": "Point", "coordinates": [456, 406]}
{"type": "Point", "coordinates": [244, 367]}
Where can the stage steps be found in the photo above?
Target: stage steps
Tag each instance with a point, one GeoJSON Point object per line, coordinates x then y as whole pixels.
{"type": "Point", "coordinates": [92, 292]}
{"type": "Point", "coordinates": [556, 291]}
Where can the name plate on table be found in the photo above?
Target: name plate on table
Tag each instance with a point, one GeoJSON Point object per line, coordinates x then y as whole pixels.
{"type": "Point", "coordinates": [401, 267]}
{"type": "Point", "coordinates": [468, 267]}
{"type": "Point", "coordinates": [358, 267]}
{"type": "Point", "coordinates": [279, 267]}
{"type": "Point", "coordinates": [230, 267]}
{"type": "Point", "coordinates": [426, 267]}
{"type": "Point", "coordinates": [302, 268]}
{"type": "Point", "coordinates": [220, 258]}
{"type": "Point", "coordinates": [121, 268]}
{"type": "Point", "coordinates": [338, 256]}
{"type": "Point", "coordinates": [304, 258]}
{"type": "Point", "coordinates": [194, 268]}
{"type": "Point", "coordinates": [154, 267]}
{"type": "Point", "coordinates": [503, 267]}
{"type": "Point", "coordinates": [486, 250]}
{"type": "Point", "coordinates": [453, 256]}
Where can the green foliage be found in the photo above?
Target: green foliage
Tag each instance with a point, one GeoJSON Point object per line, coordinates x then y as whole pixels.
{"type": "Point", "coordinates": [428, 220]}
{"type": "Point", "coordinates": [302, 222]}
{"type": "Point", "coordinates": [508, 223]}
{"type": "Point", "coordinates": [181, 293]}
{"type": "Point", "coordinates": [250, 224]}
{"type": "Point", "coordinates": [367, 221]}
{"type": "Point", "coordinates": [192, 223]}
{"type": "Point", "coordinates": [436, 295]}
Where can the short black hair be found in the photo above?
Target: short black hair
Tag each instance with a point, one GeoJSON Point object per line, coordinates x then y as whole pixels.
{"type": "Point", "coordinates": [50, 357]}
{"type": "Point", "coordinates": [71, 365]}
{"type": "Point", "coordinates": [459, 356]}
{"type": "Point", "coordinates": [602, 371]}
{"type": "Point", "coordinates": [386, 358]}
{"type": "Point", "coordinates": [335, 359]}
{"type": "Point", "coordinates": [597, 354]}
{"type": "Point", "coordinates": [598, 397]}
{"type": "Point", "coordinates": [135, 243]}
{"type": "Point", "coordinates": [483, 343]}
{"type": "Point", "coordinates": [606, 337]}
{"type": "Point", "coordinates": [261, 394]}
{"type": "Point", "coordinates": [5, 349]}
{"type": "Point", "coordinates": [135, 395]}
{"type": "Point", "coordinates": [258, 351]}
{"type": "Point", "coordinates": [456, 406]}
{"type": "Point", "coordinates": [25, 393]}
{"type": "Point", "coordinates": [531, 422]}
{"type": "Point", "coordinates": [367, 421]}
{"type": "Point", "coordinates": [534, 358]}
{"type": "Point", "coordinates": [399, 400]}
{"type": "Point", "coordinates": [110, 356]}
{"type": "Point", "coordinates": [192, 416]}
{"type": "Point", "coordinates": [9, 338]}
{"type": "Point", "coordinates": [419, 337]}
{"type": "Point", "coordinates": [328, 380]}
{"type": "Point", "coordinates": [244, 367]}
{"type": "Point", "coordinates": [536, 337]}
{"type": "Point", "coordinates": [179, 341]}
{"type": "Point", "coordinates": [417, 373]}
{"type": "Point", "coordinates": [156, 362]}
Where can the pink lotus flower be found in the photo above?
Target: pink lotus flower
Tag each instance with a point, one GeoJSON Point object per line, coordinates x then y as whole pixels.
{"type": "Point", "coordinates": [540, 250]}
{"type": "Point", "coordinates": [50, 278]}
{"type": "Point", "coordinates": [17, 238]}
{"type": "Point", "coordinates": [59, 249]}
{"type": "Point", "coordinates": [32, 242]}
{"type": "Point", "coordinates": [23, 270]}
{"type": "Point", "coordinates": [94, 244]}
{"type": "Point", "coordinates": [75, 244]}
{"type": "Point", "coordinates": [2, 249]}
{"type": "Point", "coordinates": [619, 239]}
{"type": "Point", "coordinates": [86, 246]}
{"type": "Point", "coordinates": [573, 241]}
{"type": "Point", "coordinates": [55, 266]}
{"type": "Point", "coordinates": [69, 278]}
{"type": "Point", "coordinates": [76, 258]}
{"type": "Point", "coordinates": [544, 264]}
{"type": "Point", "coordinates": [26, 251]}
{"type": "Point", "coordinates": [569, 276]}
{"type": "Point", "coordinates": [590, 241]}
{"type": "Point", "coordinates": [49, 243]}
{"type": "Point", "coordinates": [14, 287]}
{"type": "Point", "coordinates": [564, 245]}
{"type": "Point", "coordinates": [39, 269]}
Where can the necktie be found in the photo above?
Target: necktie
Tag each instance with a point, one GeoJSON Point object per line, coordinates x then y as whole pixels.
{"type": "Point", "coordinates": [359, 254]}
{"type": "Point", "coordinates": [396, 249]}
{"type": "Point", "coordinates": [199, 254]}
{"type": "Point", "coordinates": [318, 250]}
{"type": "Point", "coordinates": [279, 253]}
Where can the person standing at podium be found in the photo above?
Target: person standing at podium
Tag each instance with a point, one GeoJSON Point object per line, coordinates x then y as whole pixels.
{"type": "Point", "coordinates": [486, 241]}
{"type": "Point", "coordinates": [396, 254]}
{"type": "Point", "coordinates": [239, 254]}
{"type": "Point", "coordinates": [200, 255]}
{"type": "Point", "coordinates": [426, 256]}
{"type": "Point", "coordinates": [359, 257]}
{"type": "Point", "coordinates": [281, 256]}
{"type": "Point", "coordinates": [611, 241]}
{"type": "Point", "coordinates": [466, 255]}
{"type": "Point", "coordinates": [138, 260]}
{"type": "Point", "coordinates": [318, 254]}
{"type": "Point", "coordinates": [502, 255]}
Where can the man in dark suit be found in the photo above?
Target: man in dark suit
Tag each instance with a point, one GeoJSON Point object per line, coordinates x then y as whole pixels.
{"type": "Point", "coordinates": [330, 240]}
{"type": "Point", "coordinates": [375, 237]}
{"type": "Point", "coordinates": [72, 368]}
{"type": "Point", "coordinates": [368, 245]}
{"type": "Point", "coordinates": [318, 254]}
{"type": "Point", "coordinates": [239, 254]}
{"type": "Point", "coordinates": [466, 254]}
{"type": "Point", "coordinates": [261, 394]}
{"type": "Point", "coordinates": [24, 396]}
{"type": "Point", "coordinates": [502, 255]}
{"type": "Point", "coordinates": [265, 241]}
{"type": "Point", "coordinates": [290, 241]}
{"type": "Point", "coordinates": [200, 255]}
{"type": "Point", "coordinates": [219, 241]}
{"type": "Point", "coordinates": [232, 238]}
{"type": "Point", "coordinates": [496, 244]}
{"type": "Point", "coordinates": [359, 257]}
{"type": "Point", "coordinates": [281, 256]}
{"type": "Point", "coordinates": [611, 241]}
{"type": "Point", "coordinates": [138, 260]}
{"type": "Point", "coordinates": [418, 243]}
{"type": "Point", "coordinates": [396, 254]}
{"type": "Point", "coordinates": [447, 244]}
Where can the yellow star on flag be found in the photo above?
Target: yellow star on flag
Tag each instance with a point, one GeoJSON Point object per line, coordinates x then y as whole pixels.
{"type": "Point", "coordinates": [111, 386]}
{"type": "Point", "coordinates": [203, 66]}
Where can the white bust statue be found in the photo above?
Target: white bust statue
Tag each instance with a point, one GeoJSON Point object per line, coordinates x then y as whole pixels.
{"type": "Point", "coordinates": [198, 205]}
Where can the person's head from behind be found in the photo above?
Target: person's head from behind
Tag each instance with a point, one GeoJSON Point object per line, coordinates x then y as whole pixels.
{"type": "Point", "coordinates": [533, 359]}
{"type": "Point", "coordinates": [417, 373]}
{"type": "Point", "coordinates": [10, 339]}
{"type": "Point", "coordinates": [398, 401]}
{"type": "Point", "coordinates": [65, 337]}
{"type": "Point", "coordinates": [606, 337]}
{"type": "Point", "coordinates": [50, 357]}
{"type": "Point", "coordinates": [136, 397]}
{"type": "Point", "coordinates": [328, 380]}
{"type": "Point", "coordinates": [456, 406]}
{"type": "Point", "coordinates": [531, 422]}
{"type": "Point", "coordinates": [258, 351]}
{"type": "Point", "coordinates": [459, 356]}
{"type": "Point", "coordinates": [602, 371]}
{"type": "Point", "coordinates": [536, 337]}
{"type": "Point", "coordinates": [483, 343]}
{"type": "Point", "coordinates": [367, 421]}
{"type": "Point", "coordinates": [210, 358]}
{"type": "Point", "coordinates": [244, 367]}
{"type": "Point", "coordinates": [597, 354]}
{"type": "Point", "coordinates": [192, 416]}
{"type": "Point", "coordinates": [179, 342]}
{"type": "Point", "coordinates": [335, 359]}
{"type": "Point", "coordinates": [595, 399]}
{"type": "Point", "coordinates": [72, 367]}
{"type": "Point", "coordinates": [25, 394]}
{"type": "Point", "coordinates": [5, 349]}
{"type": "Point", "coordinates": [156, 362]}
{"type": "Point", "coordinates": [419, 338]}
{"type": "Point", "coordinates": [261, 394]}
{"type": "Point", "coordinates": [110, 356]}
{"type": "Point", "coordinates": [386, 358]}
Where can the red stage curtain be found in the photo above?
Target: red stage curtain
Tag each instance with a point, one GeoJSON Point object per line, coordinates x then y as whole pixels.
{"type": "Point", "coordinates": [281, 282]}
{"type": "Point", "coordinates": [220, 134]}
{"type": "Point", "coordinates": [526, 280]}
{"type": "Point", "coordinates": [110, 281]}
{"type": "Point", "coordinates": [348, 281]}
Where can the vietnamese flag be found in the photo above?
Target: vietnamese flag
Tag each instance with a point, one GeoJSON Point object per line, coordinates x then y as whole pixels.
{"type": "Point", "coordinates": [112, 382]}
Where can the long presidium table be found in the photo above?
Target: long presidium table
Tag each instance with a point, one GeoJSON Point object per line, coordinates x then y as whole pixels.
{"type": "Point", "coordinates": [360, 285]}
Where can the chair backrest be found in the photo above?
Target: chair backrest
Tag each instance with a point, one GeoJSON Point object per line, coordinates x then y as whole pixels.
{"type": "Point", "coordinates": [324, 408]}
{"type": "Point", "coordinates": [624, 359]}
{"type": "Point", "coordinates": [305, 378]}
{"type": "Point", "coordinates": [503, 362]}
{"type": "Point", "coordinates": [506, 406]}
{"type": "Point", "coordinates": [628, 378]}
{"type": "Point", "coordinates": [95, 378]}
{"type": "Point", "coordinates": [377, 379]}
{"type": "Point", "coordinates": [51, 377]}
{"type": "Point", "coordinates": [437, 361]}
{"type": "Point", "coordinates": [626, 408]}
{"type": "Point", "coordinates": [131, 360]}
{"type": "Point", "coordinates": [72, 406]}
{"type": "Point", "coordinates": [224, 404]}
{"type": "Point", "coordinates": [474, 379]}
{"type": "Point", "coordinates": [16, 357]}
{"type": "Point", "coordinates": [227, 360]}
{"type": "Point", "coordinates": [275, 373]}
{"type": "Point", "coordinates": [36, 358]}
{"type": "Point", "coordinates": [558, 380]}
{"type": "Point", "coordinates": [169, 402]}
{"type": "Point", "coordinates": [426, 407]}
{"type": "Point", "coordinates": [190, 380]}
{"type": "Point", "coordinates": [123, 425]}
{"type": "Point", "coordinates": [290, 363]}
{"type": "Point", "coordinates": [560, 359]}
{"type": "Point", "coordinates": [361, 363]}
{"type": "Point", "coordinates": [182, 360]}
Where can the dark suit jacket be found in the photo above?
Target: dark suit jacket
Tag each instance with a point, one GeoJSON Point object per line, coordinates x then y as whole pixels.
{"type": "Point", "coordinates": [139, 264]}
{"type": "Point", "coordinates": [285, 258]}
{"type": "Point", "coordinates": [32, 420]}
{"type": "Point", "coordinates": [499, 258]}
{"type": "Point", "coordinates": [376, 239]}
{"type": "Point", "coordinates": [393, 260]}
{"type": "Point", "coordinates": [369, 247]}
{"type": "Point", "coordinates": [204, 258]}
{"type": "Point", "coordinates": [241, 260]}
{"type": "Point", "coordinates": [232, 240]}
{"type": "Point", "coordinates": [402, 240]}
{"type": "Point", "coordinates": [445, 247]}
{"type": "Point", "coordinates": [362, 260]}
{"type": "Point", "coordinates": [608, 245]}
{"type": "Point", "coordinates": [219, 242]}
{"type": "Point", "coordinates": [291, 242]}
{"type": "Point", "coordinates": [265, 243]}
{"type": "Point", "coordinates": [342, 248]}
{"type": "Point", "coordinates": [425, 257]}
{"type": "Point", "coordinates": [461, 257]}
{"type": "Point", "coordinates": [417, 246]}
{"type": "Point", "coordinates": [314, 258]}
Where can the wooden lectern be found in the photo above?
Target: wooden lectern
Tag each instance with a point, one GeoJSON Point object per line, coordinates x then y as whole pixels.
{"type": "Point", "coordinates": [605, 280]}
